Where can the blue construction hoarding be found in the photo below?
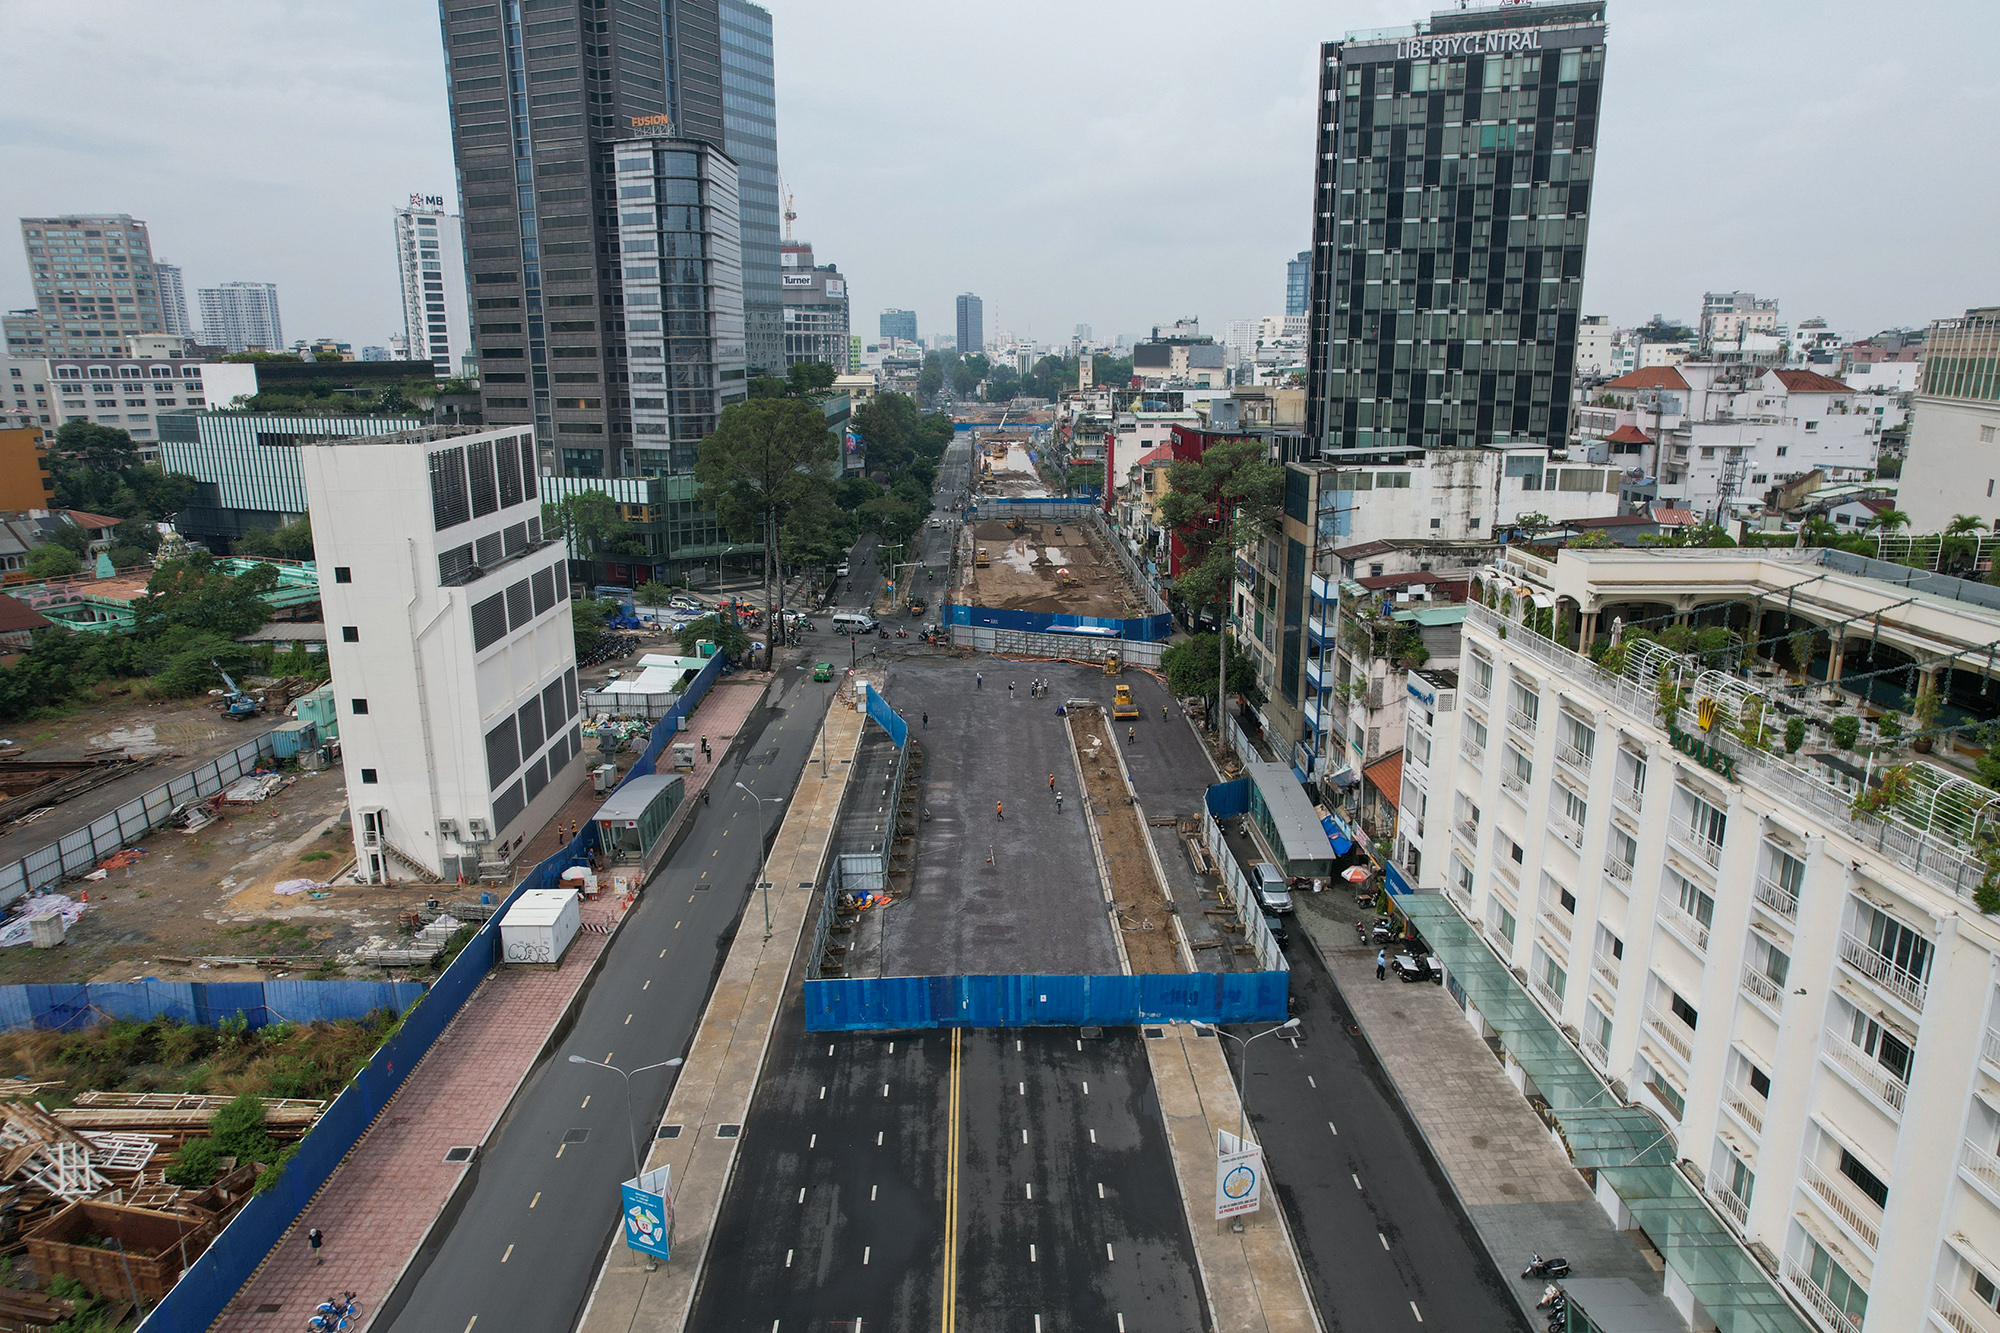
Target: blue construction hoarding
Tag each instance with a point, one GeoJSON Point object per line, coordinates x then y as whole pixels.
{"type": "Point", "coordinates": [1143, 629]}
{"type": "Point", "coordinates": [861, 1003]}
{"type": "Point", "coordinates": [205, 1003]}
{"type": "Point", "coordinates": [888, 718]}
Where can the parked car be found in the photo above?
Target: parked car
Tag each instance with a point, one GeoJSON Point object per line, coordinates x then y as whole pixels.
{"type": "Point", "coordinates": [1277, 929]}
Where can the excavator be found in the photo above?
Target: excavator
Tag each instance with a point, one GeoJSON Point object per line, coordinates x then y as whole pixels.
{"type": "Point", "coordinates": [235, 703]}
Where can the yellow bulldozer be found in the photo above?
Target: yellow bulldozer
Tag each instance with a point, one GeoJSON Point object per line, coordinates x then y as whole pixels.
{"type": "Point", "coordinates": [1122, 707]}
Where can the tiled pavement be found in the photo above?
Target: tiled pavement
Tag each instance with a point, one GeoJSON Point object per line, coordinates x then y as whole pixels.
{"type": "Point", "coordinates": [380, 1202]}
{"type": "Point", "coordinates": [1518, 1186]}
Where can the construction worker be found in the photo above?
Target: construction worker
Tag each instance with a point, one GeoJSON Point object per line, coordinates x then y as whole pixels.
{"type": "Point", "coordinates": [979, 680]}
{"type": "Point", "coordinates": [999, 810]}
{"type": "Point", "coordinates": [1131, 733]}
{"type": "Point", "coordinates": [1052, 782]}
{"type": "Point", "coordinates": [1058, 802]}
{"type": "Point", "coordinates": [1163, 712]}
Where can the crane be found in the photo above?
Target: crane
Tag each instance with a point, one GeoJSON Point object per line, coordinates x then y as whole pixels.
{"type": "Point", "coordinates": [791, 213]}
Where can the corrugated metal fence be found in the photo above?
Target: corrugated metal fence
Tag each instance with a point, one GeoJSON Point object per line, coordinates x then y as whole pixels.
{"type": "Point", "coordinates": [842, 1005]}
{"type": "Point", "coordinates": [204, 1002]}
{"type": "Point", "coordinates": [75, 853]}
{"type": "Point", "coordinates": [209, 1283]}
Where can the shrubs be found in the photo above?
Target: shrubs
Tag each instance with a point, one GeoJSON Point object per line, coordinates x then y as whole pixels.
{"type": "Point", "coordinates": [1846, 730]}
{"type": "Point", "coordinates": [237, 1131]}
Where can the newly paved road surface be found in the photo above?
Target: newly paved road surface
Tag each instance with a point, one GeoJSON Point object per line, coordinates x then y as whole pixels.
{"type": "Point", "coordinates": [523, 1249]}
{"type": "Point", "coordinates": [853, 1170]}
{"type": "Point", "coordinates": [1379, 1232]}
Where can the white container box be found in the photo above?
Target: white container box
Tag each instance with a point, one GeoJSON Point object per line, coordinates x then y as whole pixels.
{"type": "Point", "coordinates": [539, 926]}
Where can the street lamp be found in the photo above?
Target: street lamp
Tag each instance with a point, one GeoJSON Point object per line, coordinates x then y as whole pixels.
{"type": "Point", "coordinates": [631, 1125]}
{"type": "Point", "coordinates": [763, 884]}
{"type": "Point", "coordinates": [1243, 1102]}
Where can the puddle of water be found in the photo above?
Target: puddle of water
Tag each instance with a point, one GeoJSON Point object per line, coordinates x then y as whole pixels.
{"type": "Point", "coordinates": [139, 739]}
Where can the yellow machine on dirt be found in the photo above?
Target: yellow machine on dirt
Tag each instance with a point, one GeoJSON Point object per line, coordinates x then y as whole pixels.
{"type": "Point", "coordinates": [1122, 707]}
{"type": "Point", "coordinates": [1114, 662]}
{"type": "Point", "coordinates": [980, 559]}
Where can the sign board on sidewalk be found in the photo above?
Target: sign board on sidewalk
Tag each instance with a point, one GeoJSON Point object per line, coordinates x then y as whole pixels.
{"type": "Point", "coordinates": [1239, 1176]}
{"type": "Point", "coordinates": [649, 1212]}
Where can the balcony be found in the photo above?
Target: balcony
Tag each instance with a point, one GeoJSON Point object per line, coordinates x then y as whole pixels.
{"type": "Point", "coordinates": [1777, 897]}
{"type": "Point", "coordinates": [1830, 1315]}
{"type": "Point", "coordinates": [1989, 1048]}
{"type": "Point", "coordinates": [1629, 795]}
{"type": "Point", "coordinates": [1696, 844]}
{"type": "Point", "coordinates": [1858, 1215]}
{"type": "Point", "coordinates": [1678, 1036]}
{"type": "Point", "coordinates": [1617, 869]}
{"type": "Point", "coordinates": [1606, 967]}
{"type": "Point", "coordinates": [1567, 829]}
{"type": "Point", "coordinates": [1906, 987]}
{"type": "Point", "coordinates": [1476, 688]}
{"type": "Point", "coordinates": [1556, 920]}
{"type": "Point", "coordinates": [1522, 721]}
{"type": "Point", "coordinates": [1683, 925]}
{"type": "Point", "coordinates": [1750, 1112]}
{"type": "Point", "coordinates": [1728, 1202]}
{"type": "Point", "coordinates": [1981, 1166]}
{"type": "Point", "coordinates": [1468, 830]}
{"type": "Point", "coordinates": [1865, 1070]}
{"type": "Point", "coordinates": [1958, 1318]}
{"type": "Point", "coordinates": [1575, 758]}
{"type": "Point", "coordinates": [1474, 754]}
{"type": "Point", "coordinates": [1515, 785]}
{"type": "Point", "coordinates": [1546, 993]}
{"type": "Point", "coordinates": [1596, 1052]}
{"type": "Point", "coordinates": [1762, 989]}
{"type": "Point", "coordinates": [1317, 672]}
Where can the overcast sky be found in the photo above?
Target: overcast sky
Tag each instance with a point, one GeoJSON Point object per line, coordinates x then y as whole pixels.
{"type": "Point", "coordinates": [1111, 163]}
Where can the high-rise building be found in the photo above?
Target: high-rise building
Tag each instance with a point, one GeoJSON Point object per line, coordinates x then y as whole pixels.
{"type": "Point", "coordinates": [536, 105]}
{"type": "Point", "coordinates": [971, 325]}
{"type": "Point", "coordinates": [239, 316]}
{"type": "Point", "coordinates": [173, 300]}
{"type": "Point", "coordinates": [1452, 200]}
{"type": "Point", "coordinates": [1727, 316]}
{"type": "Point", "coordinates": [1083, 333]}
{"type": "Point", "coordinates": [94, 287]}
{"type": "Point", "coordinates": [683, 315]}
{"type": "Point", "coordinates": [815, 308]}
{"type": "Point", "coordinates": [1298, 282]}
{"type": "Point", "coordinates": [750, 135]}
{"type": "Point", "coordinates": [900, 324]}
{"type": "Point", "coordinates": [1954, 457]}
{"type": "Point", "coordinates": [430, 266]}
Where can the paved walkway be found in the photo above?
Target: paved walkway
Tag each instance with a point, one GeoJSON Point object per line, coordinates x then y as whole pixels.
{"type": "Point", "coordinates": [380, 1203]}
{"type": "Point", "coordinates": [1252, 1278]}
{"type": "Point", "coordinates": [716, 1085]}
{"type": "Point", "coordinates": [1519, 1187]}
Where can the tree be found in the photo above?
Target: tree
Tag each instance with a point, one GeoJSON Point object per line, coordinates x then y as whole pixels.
{"type": "Point", "coordinates": [810, 379]}
{"type": "Point", "coordinates": [1190, 667]}
{"type": "Point", "coordinates": [979, 365]}
{"type": "Point", "coordinates": [587, 521]}
{"type": "Point", "coordinates": [1108, 369]}
{"type": "Point", "coordinates": [764, 457]}
{"type": "Point", "coordinates": [1890, 521]}
{"type": "Point", "coordinates": [1592, 539]}
{"type": "Point", "coordinates": [1533, 522]}
{"type": "Point", "coordinates": [586, 623]}
{"type": "Point", "coordinates": [962, 378]}
{"type": "Point", "coordinates": [51, 561]}
{"type": "Point", "coordinates": [293, 541]}
{"type": "Point", "coordinates": [194, 593]}
{"type": "Point", "coordinates": [728, 637]}
{"type": "Point", "coordinates": [653, 593]}
{"type": "Point", "coordinates": [930, 379]}
{"type": "Point", "coordinates": [1228, 500]}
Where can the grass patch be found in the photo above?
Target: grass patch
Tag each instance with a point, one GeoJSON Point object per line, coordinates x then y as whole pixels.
{"type": "Point", "coordinates": [272, 936]}
{"type": "Point", "coordinates": [315, 856]}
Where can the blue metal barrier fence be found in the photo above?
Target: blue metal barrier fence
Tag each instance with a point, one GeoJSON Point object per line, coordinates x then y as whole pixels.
{"type": "Point", "coordinates": [859, 1003]}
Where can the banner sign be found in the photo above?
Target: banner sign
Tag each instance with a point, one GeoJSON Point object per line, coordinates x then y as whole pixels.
{"type": "Point", "coordinates": [1239, 1176]}
{"type": "Point", "coordinates": [649, 1212]}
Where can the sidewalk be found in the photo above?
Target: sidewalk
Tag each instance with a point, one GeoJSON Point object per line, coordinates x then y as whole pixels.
{"type": "Point", "coordinates": [716, 1085]}
{"type": "Point", "coordinates": [1252, 1280]}
{"type": "Point", "coordinates": [381, 1202]}
{"type": "Point", "coordinates": [1517, 1185]}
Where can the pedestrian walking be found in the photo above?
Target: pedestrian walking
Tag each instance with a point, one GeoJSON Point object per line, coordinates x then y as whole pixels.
{"type": "Point", "coordinates": [999, 810]}
{"type": "Point", "coordinates": [1010, 689]}
{"type": "Point", "coordinates": [1131, 733]}
{"type": "Point", "coordinates": [704, 747]}
{"type": "Point", "coordinates": [314, 1239]}
{"type": "Point", "coordinates": [927, 722]}
{"type": "Point", "coordinates": [1052, 782]}
{"type": "Point", "coordinates": [1381, 963]}
{"type": "Point", "coordinates": [704, 796]}
{"type": "Point", "coordinates": [1163, 712]}
{"type": "Point", "coordinates": [979, 680]}
{"type": "Point", "coordinates": [1058, 802]}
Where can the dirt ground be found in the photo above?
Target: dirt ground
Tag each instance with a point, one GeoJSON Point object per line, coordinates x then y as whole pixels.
{"type": "Point", "coordinates": [1023, 573]}
{"type": "Point", "coordinates": [190, 727]}
{"type": "Point", "coordinates": [1145, 917]}
{"type": "Point", "coordinates": [195, 898]}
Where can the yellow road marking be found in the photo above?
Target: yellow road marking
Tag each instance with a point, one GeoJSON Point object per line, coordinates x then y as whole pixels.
{"type": "Point", "coordinates": [505, 1257]}
{"type": "Point", "coordinates": [537, 1199]}
{"type": "Point", "coordinates": [950, 1321]}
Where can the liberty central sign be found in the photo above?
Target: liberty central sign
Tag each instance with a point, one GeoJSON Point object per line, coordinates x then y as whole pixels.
{"type": "Point", "coordinates": [1469, 44]}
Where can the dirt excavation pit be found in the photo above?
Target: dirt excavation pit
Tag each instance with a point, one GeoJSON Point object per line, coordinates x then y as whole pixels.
{"type": "Point", "coordinates": [1062, 568]}
{"type": "Point", "coordinates": [1145, 917]}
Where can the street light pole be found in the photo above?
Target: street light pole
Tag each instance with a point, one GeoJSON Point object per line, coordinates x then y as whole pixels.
{"type": "Point", "coordinates": [762, 883]}
{"type": "Point", "coordinates": [631, 1123]}
{"type": "Point", "coordinates": [1243, 1102]}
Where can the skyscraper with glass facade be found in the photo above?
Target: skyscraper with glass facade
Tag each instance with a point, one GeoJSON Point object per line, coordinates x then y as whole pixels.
{"type": "Point", "coordinates": [94, 287]}
{"type": "Point", "coordinates": [971, 324]}
{"type": "Point", "coordinates": [1451, 204]}
{"type": "Point", "coordinates": [750, 136]}
{"type": "Point", "coordinates": [538, 95]}
{"type": "Point", "coordinates": [900, 324]}
{"type": "Point", "coordinates": [1298, 282]}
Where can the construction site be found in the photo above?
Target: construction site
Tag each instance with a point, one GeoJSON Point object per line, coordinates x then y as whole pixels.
{"type": "Point", "coordinates": [1047, 565]}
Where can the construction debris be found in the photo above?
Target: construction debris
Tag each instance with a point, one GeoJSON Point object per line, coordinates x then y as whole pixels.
{"type": "Point", "coordinates": [420, 950]}
{"type": "Point", "coordinates": [19, 928]}
{"type": "Point", "coordinates": [256, 787]}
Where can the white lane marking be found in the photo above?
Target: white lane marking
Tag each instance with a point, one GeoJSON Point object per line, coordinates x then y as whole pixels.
{"type": "Point", "coordinates": [1384, 1239]}
{"type": "Point", "coordinates": [1038, 1324]}
{"type": "Point", "coordinates": [1100, 1189]}
{"type": "Point", "coordinates": [1356, 1179]}
{"type": "Point", "coordinates": [1329, 1125]}
{"type": "Point", "coordinates": [1121, 1321]}
{"type": "Point", "coordinates": [1086, 1087]}
{"type": "Point", "coordinates": [1093, 1136]}
{"type": "Point", "coordinates": [1309, 1080]}
{"type": "Point", "coordinates": [871, 1193]}
{"type": "Point", "coordinates": [812, 1143]}
{"type": "Point", "coordinates": [1024, 1136]}
{"type": "Point", "coordinates": [1017, 1043]}
{"type": "Point", "coordinates": [1031, 1252]}
{"type": "Point", "coordinates": [508, 1255]}
{"type": "Point", "coordinates": [829, 1048]}
{"type": "Point", "coordinates": [878, 1138]}
{"type": "Point", "coordinates": [788, 1258]}
{"type": "Point", "coordinates": [1415, 1311]}
{"type": "Point", "coordinates": [470, 1322]}
{"type": "Point", "coordinates": [663, 954]}
{"type": "Point", "coordinates": [537, 1199]}
{"type": "Point", "coordinates": [864, 1254]}
{"type": "Point", "coordinates": [1031, 1191]}
{"type": "Point", "coordinates": [1024, 1089]}
{"type": "Point", "coordinates": [586, 1104]}
{"type": "Point", "coordinates": [628, 1018]}
{"type": "Point", "coordinates": [802, 1195]}
{"type": "Point", "coordinates": [1079, 1043]}
{"type": "Point", "coordinates": [1109, 1256]}
{"type": "Point", "coordinates": [822, 1092]}
{"type": "Point", "coordinates": [648, 985]}
{"type": "Point", "coordinates": [892, 1048]}
{"type": "Point", "coordinates": [885, 1089]}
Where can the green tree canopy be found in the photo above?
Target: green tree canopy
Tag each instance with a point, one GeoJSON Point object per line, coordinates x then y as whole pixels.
{"type": "Point", "coordinates": [587, 522]}
{"type": "Point", "coordinates": [1217, 506]}
{"type": "Point", "coordinates": [293, 541]}
{"type": "Point", "coordinates": [1190, 667]}
{"type": "Point", "coordinates": [196, 594]}
{"type": "Point", "coordinates": [728, 637]}
{"type": "Point", "coordinates": [51, 560]}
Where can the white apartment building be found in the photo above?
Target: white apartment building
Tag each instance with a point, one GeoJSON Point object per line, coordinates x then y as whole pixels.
{"type": "Point", "coordinates": [1727, 316]}
{"type": "Point", "coordinates": [128, 393]}
{"type": "Point", "coordinates": [1594, 338]}
{"type": "Point", "coordinates": [238, 316]}
{"type": "Point", "coordinates": [430, 269]}
{"type": "Point", "coordinates": [1954, 459]}
{"type": "Point", "coordinates": [448, 631]}
{"type": "Point", "coordinates": [1755, 1006]}
{"type": "Point", "coordinates": [174, 320]}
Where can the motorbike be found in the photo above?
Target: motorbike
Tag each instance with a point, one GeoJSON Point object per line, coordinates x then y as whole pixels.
{"type": "Point", "coordinates": [1551, 1295]}
{"type": "Point", "coordinates": [1378, 929]}
{"type": "Point", "coordinates": [902, 633]}
{"type": "Point", "coordinates": [1550, 1268]}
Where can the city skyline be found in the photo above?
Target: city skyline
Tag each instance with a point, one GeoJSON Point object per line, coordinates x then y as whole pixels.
{"type": "Point", "coordinates": [365, 101]}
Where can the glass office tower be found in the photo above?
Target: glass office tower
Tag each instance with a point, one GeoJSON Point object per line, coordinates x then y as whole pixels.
{"type": "Point", "coordinates": [1452, 201]}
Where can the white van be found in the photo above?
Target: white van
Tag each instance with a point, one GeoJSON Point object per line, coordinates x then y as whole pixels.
{"type": "Point", "coordinates": [853, 622]}
{"type": "Point", "coordinates": [1274, 893]}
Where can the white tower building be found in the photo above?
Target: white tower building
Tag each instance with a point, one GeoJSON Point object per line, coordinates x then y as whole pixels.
{"type": "Point", "coordinates": [454, 664]}
{"type": "Point", "coordinates": [173, 300]}
{"type": "Point", "coordinates": [238, 316]}
{"type": "Point", "coordinates": [430, 266]}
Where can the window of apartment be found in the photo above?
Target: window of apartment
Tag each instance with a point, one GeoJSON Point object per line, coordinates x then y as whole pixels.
{"type": "Point", "coordinates": [1865, 1180]}
{"type": "Point", "coordinates": [1475, 735]}
{"type": "Point", "coordinates": [1515, 770]}
{"type": "Point", "coordinates": [1902, 946]}
{"type": "Point", "coordinates": [1462, 874]}
{"type": "Point", "coordinates": [1574, 807]}
{"type": "Point", "coordinates": [1525, 702]}
{"type": "Point", "coordinates": [342, 574]}
{"type": "Point", "coordinates": [1623, 848]}
{"type": "Point", "coordinates": [1737, 1177]}
{"type": "Point", "coordinates": [1768, 961]}
{"type": "Point", "coordinates": [350, 634]}
{"type": "Point", "coordinates": [1504, 922]}
{"type": "Point", "coordinates": [1883, 1045]}
{"type": "Point", "coordinates": [1549, 974]}
{"type": "Point", "coordinates": [1847, 1295]}
{"type": "Point", "coordinates": [1705, 823]}
{"type": "Point", "coordinates": [1683, 1010]}
{"type": "Point", "coordinates": [1631, 784]}
{"type": "Point", "coordinates": [1692, 899]}
{"type": "Point", "coordinates": [357, 706]}
{"type": "Point", "coordinates": [368, 775]}
{"type": "Point", "coordinates": [1988, 434]}
{"type": "Point", "coordinates": [1983, 1286]}
{"type": "Point", "coordinates": [1482, 676]}
{"type": "Point", "coordinates": [1574, 734]}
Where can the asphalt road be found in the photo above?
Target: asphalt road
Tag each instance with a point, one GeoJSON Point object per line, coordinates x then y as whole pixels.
{"type": "Point", "coordinates": [844, 1193]}
{"type": "Point", "coordinates": [1379, 1231]}
{"type": "Point", "coordinates": [523, 1247]}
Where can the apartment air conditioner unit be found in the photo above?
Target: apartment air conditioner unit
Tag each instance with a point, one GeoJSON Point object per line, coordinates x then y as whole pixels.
{"type": "Point", "coordinates": [477, 830]}
{"type": "Point", "coordinates": [448, 829]}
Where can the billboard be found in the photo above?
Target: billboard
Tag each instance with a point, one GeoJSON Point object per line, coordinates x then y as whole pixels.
{"type": "Point", "coordinates": [648, 1202]}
